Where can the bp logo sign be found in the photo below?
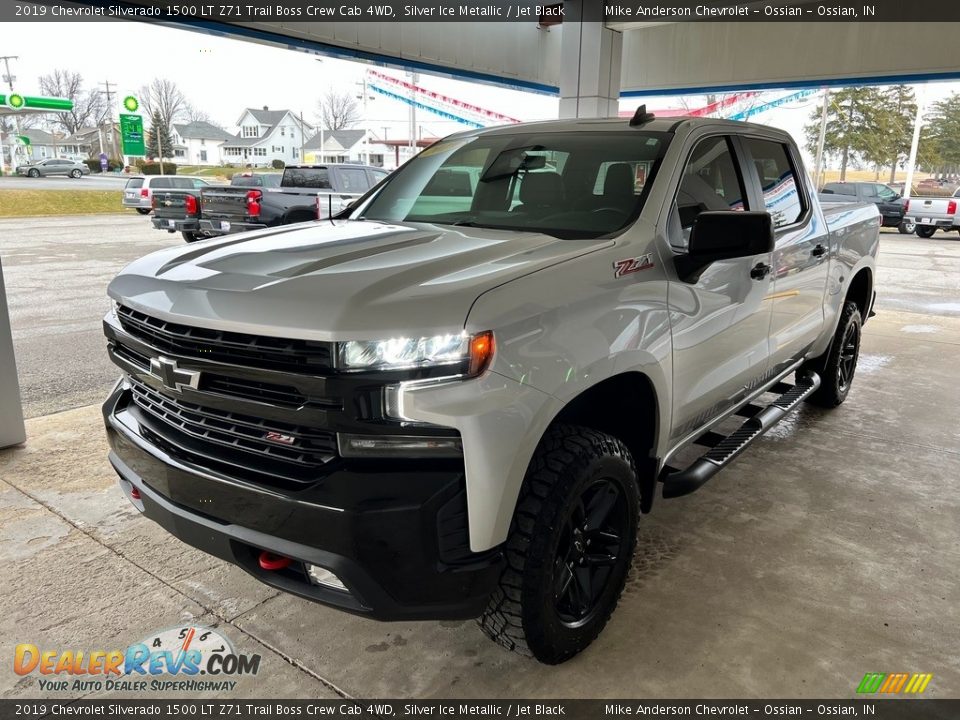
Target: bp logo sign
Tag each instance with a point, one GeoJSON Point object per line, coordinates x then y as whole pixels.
{"type": "Point", "coordinates": [15, 101]}
{"type": "Point", "coordinates": [130, 104]}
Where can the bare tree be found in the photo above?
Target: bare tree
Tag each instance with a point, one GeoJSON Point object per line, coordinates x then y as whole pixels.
{"type": "Point", "coordinates": [337, 110]}
{"type": "Point", "coordinates": [89, 106]}
{"type": "Point", "coordinates": [194, 114]}
{"type": "Point", "coordinates": [164, 97]}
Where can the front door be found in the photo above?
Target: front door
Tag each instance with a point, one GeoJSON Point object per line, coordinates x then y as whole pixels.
{"type": "Point", "coordinates": [800, 254]}
{"type": "Point", "coordinates": [720, 323]}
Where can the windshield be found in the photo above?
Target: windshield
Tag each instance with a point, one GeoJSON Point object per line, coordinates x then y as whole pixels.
{"type": "Point", "coordinates": [570, 185]}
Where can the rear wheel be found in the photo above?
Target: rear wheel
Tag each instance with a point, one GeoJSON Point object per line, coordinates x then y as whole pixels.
{"type": "Point", "coordinates": [907, 228]}
{"type": "Point", "coordinates": [838, 365]}
{"type": "Point", "coordinates": [926, 231]}
{"type": "Point", "coordinates": [569, 548]}
{"type": "Point", "coordinates": [143, 211]}
{"type": "Point", "coordinates": [191, 236]}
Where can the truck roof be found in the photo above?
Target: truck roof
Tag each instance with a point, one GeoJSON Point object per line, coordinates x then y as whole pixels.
{"type": "Point", "coordinates": [659, 124]}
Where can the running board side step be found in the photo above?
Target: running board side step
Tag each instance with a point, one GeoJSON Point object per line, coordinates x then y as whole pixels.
{"type": "Point", "coordinates": [677, 483]}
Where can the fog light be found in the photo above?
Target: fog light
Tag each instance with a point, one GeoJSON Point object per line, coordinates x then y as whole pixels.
{"type": "Point", "coordinates": [322, 576]}
{"type": "Point", "coordinates": [399, 446]}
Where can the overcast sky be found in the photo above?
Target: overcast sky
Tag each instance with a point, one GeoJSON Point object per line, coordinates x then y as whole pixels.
{"type": "Point", "coordinates": [222, 76]}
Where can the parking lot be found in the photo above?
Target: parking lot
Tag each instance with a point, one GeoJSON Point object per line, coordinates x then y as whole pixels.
{"type": "Point", "coordinates": [827, 550]}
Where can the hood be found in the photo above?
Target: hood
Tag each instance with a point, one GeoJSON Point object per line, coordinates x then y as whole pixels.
{"type": "Point", "coordinates": [349, 280]}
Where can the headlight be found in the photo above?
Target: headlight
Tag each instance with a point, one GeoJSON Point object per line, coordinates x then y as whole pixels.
{"type": "Point", "coordinates": [404, 353]}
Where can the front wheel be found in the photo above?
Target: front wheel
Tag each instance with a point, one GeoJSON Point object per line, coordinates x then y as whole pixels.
{"type": "Point", "coordinates": [75, 174]}
{"type": "Point", "coordinates": [906, 227]}
{"type": "Point", "coordinates": [569, 548]}
{"type": "Point", "coordinates": [34, 173]}
{"type": "Point", "coordinates": [926, 231]}
{"type": "Point", "coordinates": [838, 365]}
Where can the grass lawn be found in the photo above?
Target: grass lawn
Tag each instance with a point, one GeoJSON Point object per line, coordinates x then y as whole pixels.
{"type": "Point", "coordinates": [218, 171]}
{"type": "Point", "coordinates": [26, 203]}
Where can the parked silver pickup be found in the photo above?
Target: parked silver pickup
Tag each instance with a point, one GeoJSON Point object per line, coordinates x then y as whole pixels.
{"type": "Point", "coordinates": [930, 214]}
{"type": "Point", "coordinates": [455, 399]}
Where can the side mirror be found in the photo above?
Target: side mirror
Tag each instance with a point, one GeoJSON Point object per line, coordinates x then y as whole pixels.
{"type": "Point", "coordinates": [723, 235]}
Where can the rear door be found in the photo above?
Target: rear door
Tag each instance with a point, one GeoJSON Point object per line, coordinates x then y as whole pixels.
{"type": "Point", "coordinates": [800, 254]}
{"type": "Point", "coordinates": [720, 323]}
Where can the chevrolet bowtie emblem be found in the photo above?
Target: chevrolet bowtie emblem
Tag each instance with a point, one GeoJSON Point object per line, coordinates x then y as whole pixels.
{"type": "Point", "coordinates": [172, 376]}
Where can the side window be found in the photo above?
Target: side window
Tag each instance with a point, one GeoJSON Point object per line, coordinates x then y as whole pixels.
{"type": "Point", "coordinates": [781, 188]}
{"type": "Point", "coordinates": [710, 182]}
{"type": "Point", "coordinates": [870, 191]}
{"type": "Point", "coordinates": [354, 180]}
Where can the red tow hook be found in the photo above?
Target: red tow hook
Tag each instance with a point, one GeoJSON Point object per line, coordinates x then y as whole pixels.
{"type": "Point", "coordinates": [269, 561]}
{"type": "Point", "coordinates": [134, 493]}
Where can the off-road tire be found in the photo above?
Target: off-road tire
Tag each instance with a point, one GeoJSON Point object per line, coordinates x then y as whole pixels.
{"type": "Point", "coordinates": [839, 364]}
{"type": "Point", "coordinates": [522, 614]}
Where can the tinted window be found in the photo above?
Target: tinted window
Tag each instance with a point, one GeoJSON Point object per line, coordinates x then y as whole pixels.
{"type": "Point", "coordinates": [869, 191]}
{"type": "Point", "coordinates": [306, 177]}
{"type": "Point", "coordinates": [710, 181]}
{"type": "Point", "coordinates": [886, 193]}
{"type": "Point", "coordinates": [134, 183]}
{"type": "Point", "coordinates": [162, 182]}
{"type": "Point", "coordinates": [840, 189]}
{"type": "Point", "coordinates": [781, 187]}
{"type": "Point", "coordinates": [354, 180]}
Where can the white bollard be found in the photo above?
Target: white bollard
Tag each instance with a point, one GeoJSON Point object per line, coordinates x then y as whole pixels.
{"type": "Point", "coordinates": [12, 430]}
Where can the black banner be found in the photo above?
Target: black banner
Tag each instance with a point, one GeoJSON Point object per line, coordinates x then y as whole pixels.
{"type": "Point", "coordinates": [868, 707]}
{"type": "Point", "coordinates": [543, 12]}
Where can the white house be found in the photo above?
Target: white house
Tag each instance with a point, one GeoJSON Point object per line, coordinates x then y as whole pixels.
{"type": "Point", "coordinates": [42, 145]}
{"type": "Point", "coordinates": [340, 146]}
{"type": "Point", "coordinates": [199, 143]}
{"type": "Point", "coordinates": [264, 136]}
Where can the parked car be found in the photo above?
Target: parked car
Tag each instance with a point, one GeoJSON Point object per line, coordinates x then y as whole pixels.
{"type": "Point", "coordinates": [426, 412]}
{"type": "Point", "coordinates": [933, 213]}
{"type": "Point", "coordinates": [138, 192]}
{"type": "Point", "coordinates": [54, 166]}
{"type": "Point", "coordinates": [306, 192]}
{"type": "Point", "coordinates": [180, 210]}
{"type": "Point", "coordinates": [888, 201]}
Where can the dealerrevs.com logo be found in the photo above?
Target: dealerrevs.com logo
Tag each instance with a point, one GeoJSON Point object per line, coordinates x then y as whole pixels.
{"type": "Point", "coordinates": [184, 658]}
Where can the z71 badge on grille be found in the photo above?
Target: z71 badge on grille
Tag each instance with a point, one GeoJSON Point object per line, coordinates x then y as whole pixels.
{"type": "Point", "coordinates": [632, 265]}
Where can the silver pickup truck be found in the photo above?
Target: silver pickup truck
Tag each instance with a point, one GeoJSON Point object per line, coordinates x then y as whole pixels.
{"type": "Point", "coordinates": [457, 398]}
{"type": "Point", "coordinates": [930, 214]}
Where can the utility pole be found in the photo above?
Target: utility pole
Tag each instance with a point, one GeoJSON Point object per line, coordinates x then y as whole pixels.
{"type": "Point", "coordinates": [366, 130]}
{"type": "Point", "coordinates": [9, 78]}
{"type": "Point", "coordinates": [111, 135]}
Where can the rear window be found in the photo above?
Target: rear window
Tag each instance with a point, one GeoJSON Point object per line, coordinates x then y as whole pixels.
{"type": "Point", "coordinates": [781, 188]}
{"type": "Point", "coordinates": [134, 183]}
{"type": "Point", "coordinates": [306, 177]}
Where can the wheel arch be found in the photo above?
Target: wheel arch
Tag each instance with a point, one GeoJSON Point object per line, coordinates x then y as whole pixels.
{"type": "Point", "coordinates": [860, 292]}
{"type": "Point", "coordinates": [626, 407]}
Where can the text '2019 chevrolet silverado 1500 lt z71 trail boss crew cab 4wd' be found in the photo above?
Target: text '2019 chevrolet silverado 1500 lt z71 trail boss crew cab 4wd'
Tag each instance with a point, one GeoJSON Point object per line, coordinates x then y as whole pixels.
{"type": "Point", "coordinates": [428, 410]}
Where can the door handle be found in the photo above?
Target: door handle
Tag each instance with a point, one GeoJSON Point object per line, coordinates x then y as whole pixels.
{"type": "Point", "coordinates": [818, 251]}
{"type": "Point", "coordinates": [760, 271]}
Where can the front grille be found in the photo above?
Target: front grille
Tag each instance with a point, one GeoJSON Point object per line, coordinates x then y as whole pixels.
{"type": "Point", "coordinates": [214, 383]}
{"type": "Point", "coordinates": [233, 436]}
{"type": "Point", "coordinates": [310, 357]}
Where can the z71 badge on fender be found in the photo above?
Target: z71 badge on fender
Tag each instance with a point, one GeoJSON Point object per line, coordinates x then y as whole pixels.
{"type": "Point", "coordinates": [632, 265]}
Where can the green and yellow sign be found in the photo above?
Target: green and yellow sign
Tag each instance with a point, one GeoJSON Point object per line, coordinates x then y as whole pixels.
{"type": "Point", "coordinates": [131, 104]}
{"type": "Point", "coordinates": [131, 135]}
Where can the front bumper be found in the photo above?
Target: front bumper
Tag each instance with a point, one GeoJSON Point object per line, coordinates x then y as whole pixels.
{"type": "Point", "coordinates": [176, 225]}
{"type": "Point", "coordinates": [388, 534]}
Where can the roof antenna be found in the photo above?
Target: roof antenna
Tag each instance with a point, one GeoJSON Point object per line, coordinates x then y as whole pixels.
{"type": "Point", "coordinates": [641, 116]}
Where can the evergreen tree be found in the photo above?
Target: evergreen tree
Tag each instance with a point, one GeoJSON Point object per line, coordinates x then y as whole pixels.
{"type": "Point", "coordinates": [159, 129]}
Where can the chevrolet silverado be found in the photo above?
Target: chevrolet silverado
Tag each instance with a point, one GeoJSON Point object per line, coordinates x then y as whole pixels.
{"type": "Point", "coordinates": [457, 398]}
